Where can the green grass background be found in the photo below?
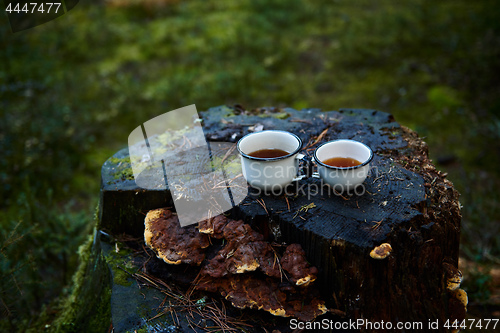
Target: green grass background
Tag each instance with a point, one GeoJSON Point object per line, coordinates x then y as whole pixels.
{"type": "Point", "coordinates": [73, 89]}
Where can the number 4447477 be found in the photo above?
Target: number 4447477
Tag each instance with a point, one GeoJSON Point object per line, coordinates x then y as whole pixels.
{"type": "Point", "coordinates": [472, 323]}
{"type": "Point", "coordinates": [33, 7]}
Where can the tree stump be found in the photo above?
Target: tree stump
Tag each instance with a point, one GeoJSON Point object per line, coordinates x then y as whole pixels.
{"type": "Point", "coordinates": [406, 203]}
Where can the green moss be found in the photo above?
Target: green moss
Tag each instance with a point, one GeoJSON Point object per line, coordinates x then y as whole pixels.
{"type": "Point", "coordinates": [395, 133]}
{"type": "Point", "coordinates": [160, 145]}
{"type": "Point", "coordinates": [126, 174]}
{"type": "Point", "coordinates": [169, 136]}
{"type": "Point", "coordinates": [140, 330]}
{"type": "Point", "coordinates": [121, 278]}
{"type": "Point", "coordinates": [121, 265]}
{"type": "Point", "coordinates": [102, 312]}
{"type": "Point", "coordinates": [281, 115]}
{"type": "Point", "coordinates": [116, 160]}
{"type": "Point", "coordinates": [82, 310]}
{"type": "Point", "coordinates": [231, 165]}
{"type": "Point", "coordinates": [122, 168]}
{"type": "Point", "coordinates": [277, 115]}
{"type": "Point", "coordinates": [225, 111]}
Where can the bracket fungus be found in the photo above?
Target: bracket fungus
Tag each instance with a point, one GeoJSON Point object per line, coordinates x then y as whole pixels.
{"type": "Point", "coordinates": [453, 277]}
{"type": "Point", "coordinates": [240, 258]}
{"type": "Point", "coordinates": [461, 296]}
{"type": "Point", "coordinates": [268, 294]}
{"type": "Point", "coordinates": [247, 270]}
{"type": "Point", "coordinates": [457, 298]}
{"type": "Point", "coordinates": [172, 243]}
{"type": "Point", "coordinates": [294, 262]}
{"type": "Point", "coordinates": [457, 304]}
{"type": "Point", "coordinates": [213, 226]}
{"type": "Point", "coordinates": [244, 252]}
{"type": "Point", "coordinates": [382, 251]}
{"type": "Point", "coordinates": [238, 231]}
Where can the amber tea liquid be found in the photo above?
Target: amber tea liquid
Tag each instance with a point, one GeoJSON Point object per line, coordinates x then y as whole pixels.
{"type": "Point", "coordinates": [268, 153]}
{"type": "Point", "coordinates": [341, 162]}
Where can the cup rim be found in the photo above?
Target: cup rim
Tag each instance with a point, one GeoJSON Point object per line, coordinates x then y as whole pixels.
{"type": "Point", "coordinates": [299, 147]}
{"type": "Point", "coordinates": [343, 168]}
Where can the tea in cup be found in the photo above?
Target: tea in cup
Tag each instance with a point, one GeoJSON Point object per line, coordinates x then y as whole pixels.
{"type": "Point", "coordinates": [343, 164]}
{"type": "Point", "coordinates": [270, 159]}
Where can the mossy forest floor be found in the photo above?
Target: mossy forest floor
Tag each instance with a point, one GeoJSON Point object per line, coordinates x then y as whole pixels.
{"type": "Point", "coordinates": [73, 89]}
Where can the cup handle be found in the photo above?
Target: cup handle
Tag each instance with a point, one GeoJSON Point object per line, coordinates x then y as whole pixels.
{"type": "Point", "coordinates": [307, 168]}
{"type": "Point", "coordinates": [314, 174]}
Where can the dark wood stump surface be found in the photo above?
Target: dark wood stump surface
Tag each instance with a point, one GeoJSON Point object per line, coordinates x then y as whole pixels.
{"type": "Point", "coordinates": [405, 202]}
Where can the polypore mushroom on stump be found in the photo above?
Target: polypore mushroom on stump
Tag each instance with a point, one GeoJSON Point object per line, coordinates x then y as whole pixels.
{"type": "Point", "coordinates": [213, 226]}
{"type": "Point", "coordinates": [457, 301]}
{"type": "Point", "coordinates": [453, 277]}
{"type": "Point", "coordinates": [458, 306]}
{"type": "Point", "coordinates": [381, 252]}
{"type": "Point", "coordinates": [241, 252]}
{"type": "Point", "coordinates": [243, 257]}
{"type": "Point", "coordinates": [294, 262]}
{"type": "Point", "coordinates": [268, 294]}
{"type": "Point", "coordinates": [231, 271]}
{"type": "Point", "coordinates": [237, 231]}
{"type": "Point", "coordinates": [244, 252]}
{"type": "Point", "coordinates": [172, 243]}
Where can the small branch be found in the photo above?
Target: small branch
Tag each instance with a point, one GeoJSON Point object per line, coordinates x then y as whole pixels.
{"type": "Point", "coordinates": [263, 204]}
{"type": "Point", "coordinates": [228, 153]}
{"type": "Point", "coordinates": [377, 224]}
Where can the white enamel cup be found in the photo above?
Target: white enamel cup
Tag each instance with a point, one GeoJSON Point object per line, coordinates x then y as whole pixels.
{"type": "Point", "coordinates": [270, 174]}
{"type": "Point", "coordinates": [343, 178]}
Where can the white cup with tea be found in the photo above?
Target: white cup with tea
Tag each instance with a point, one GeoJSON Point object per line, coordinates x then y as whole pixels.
{"type": "Point", "coordinates": [270, 159]}
{"type": "Point", "coordinates": [343, 164]}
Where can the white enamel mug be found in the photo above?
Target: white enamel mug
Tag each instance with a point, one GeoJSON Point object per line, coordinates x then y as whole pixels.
{"type": "Point", "coordinates": [270, 174]}
{"type": "Point", "coordinates": [343, 178]}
